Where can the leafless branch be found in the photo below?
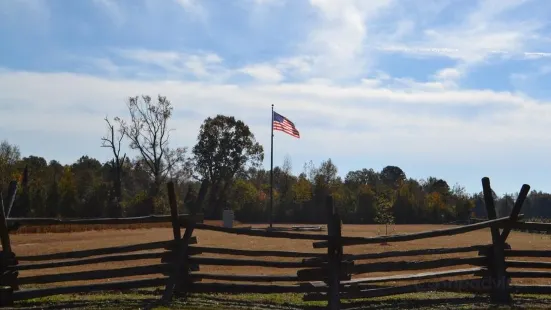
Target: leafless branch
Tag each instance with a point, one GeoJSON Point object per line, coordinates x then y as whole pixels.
{"type": "Point", "coordinates": [109, 141]}
{"type": "Point", "coordinates": [149, 134]}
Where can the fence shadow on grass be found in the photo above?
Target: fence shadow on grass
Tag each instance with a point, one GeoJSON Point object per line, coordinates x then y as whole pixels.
{"type": "Point", "coordinates": [90, 304]}
{"type": "Point", "coordinates": [218, 303]}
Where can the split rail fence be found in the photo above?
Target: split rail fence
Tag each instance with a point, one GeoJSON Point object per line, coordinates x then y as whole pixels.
{"type": "Point", "coordinates": [330, 275]}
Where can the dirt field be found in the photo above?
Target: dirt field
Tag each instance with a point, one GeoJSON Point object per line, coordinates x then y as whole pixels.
{"type": "Point", "coordinates": [33, 244]}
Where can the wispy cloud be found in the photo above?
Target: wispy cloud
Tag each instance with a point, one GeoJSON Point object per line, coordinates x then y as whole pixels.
{"type": "Point", "coordinates": [263, 72]}
{"type": "Point", "coordinates": [352, 74]}
{"type": "Point", "coordinates": [386, 108]}
{"type": "Point", "coordinates": [194, 7]}
{"type": "Point", "coordinates": [489, 31]}
{"type": "Point", "coordinates": [32, 15]}
{"type": "Point", "coordinates": [338, 40]}
{"type": "Point", "coordinates": [39, 7]}
{"type": "Point", "coordinates": [200, 65]}
{"type": "Point", "coordinates": [268, 2]}
{"type": "Point", "coordinates": [112, 9]}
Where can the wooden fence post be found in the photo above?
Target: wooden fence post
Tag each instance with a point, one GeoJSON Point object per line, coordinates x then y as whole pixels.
{"type": "Point", "coordinates": [525, 189]}
{"type": "Point", "coordinates": [6, 296]}
{"type": "Point", "coordinates": [7, 257]}
{"type": "Point", "coordinates": [334, 252]}
{"type": "Point", "coordinates": [184, 281]}
{"type": "Point", "coordinates": [174, 211]}
{"type": "Point", "coordinates": [8, 280]}
{"type": "Point", "coordinates": [12, 191]}
{"type": "Point", "coordinates": [179, 279]}
{"type": "Point", "coordinates": [499, 282]}
{"type": "Point", "coordinates": [4, 234]}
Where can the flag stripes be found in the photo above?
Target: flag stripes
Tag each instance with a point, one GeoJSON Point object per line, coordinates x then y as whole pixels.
{"type": "Point", "coordinates": [283, 124]}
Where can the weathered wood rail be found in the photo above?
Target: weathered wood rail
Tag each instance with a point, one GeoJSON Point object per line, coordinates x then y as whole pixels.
{"type": "Point", "coordinates": [331, 276]}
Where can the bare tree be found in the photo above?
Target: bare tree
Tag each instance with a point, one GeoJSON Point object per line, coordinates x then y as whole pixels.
{"type": "Point", "coordinates": [287, 165]}
{"type": "Point", "coordinates": [9, 155]}
{"type": "Point", "coordinates": [310, 170]}
{"type": "Point", "coordinates": [149, 134]}
{"type": "Point", "coordinates": [113, 141]}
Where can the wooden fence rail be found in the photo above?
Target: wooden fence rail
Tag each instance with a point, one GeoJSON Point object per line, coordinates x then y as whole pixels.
{"type": "Point", "coordinates": [102, 221]}
{"type": "Point", "coordinates": [257, 253]}
{"type": "Point", "coordinates": [331, 275]}
{"type": "Point", "coordinates": [421, 235]}
{"type": "Point", "coordinates": [527, 253]}
{"type": "Point", "coordinates": [102, 251]}
{"type": "Point", "coordinates": [261, 233]}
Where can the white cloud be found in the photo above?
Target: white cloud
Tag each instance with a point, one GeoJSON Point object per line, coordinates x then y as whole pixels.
{"type": "Point", "coordinates": [488, 31]}
{"type": "Point", "coordinates": [299, 67]}
{"type": "Point", "coordinates": [545, 70]}
{"type": "Point", "coordinates": [376, 115]}
{"type": "Point", "coordinates": [194, 7]}
{"type": "Point", "coordinates": [268, 2]}
{"type": "Point", "coordinates": [201, 65]}
{"type": "Point", "coordinates": [519, 77]}
{"type": "Point", "coordinates": [166, 60]}
{"type": "Point", "coordinates": [36, 6]}
{"type": "Point", "coordinates": [106, 65]}
{"type": "Point", "coordinates": [329, 81]}
{"type": "Point", "coordinates": [112, 9]}
{"type": "Point", "coordinates": [263, 72]}
{"type": "Point", "coordinates": [448, 74]}
{"type": "Point", "coordinates": [536, 55]}
{"type": "Point", "coordinates": [348, 35]}
{"type": "Point", "coordinates": [528, 81]}
{"type": "Point", "coordinates": [338, 41]}
{"type": "Point", "coordinates": [210, 66]}
{"type": "Point", "coordinates": [33, 15]}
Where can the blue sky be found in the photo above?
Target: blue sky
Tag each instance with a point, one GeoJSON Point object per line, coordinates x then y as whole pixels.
{"type": "Point", "coordinates": [456, 89]}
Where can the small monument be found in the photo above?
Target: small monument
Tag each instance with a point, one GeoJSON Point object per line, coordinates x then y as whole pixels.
{"type": "Point", "coordinates": [228, 218]}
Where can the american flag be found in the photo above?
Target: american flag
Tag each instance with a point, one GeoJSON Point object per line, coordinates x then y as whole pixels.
{"type": "Point", "coordinates": [281, 123]}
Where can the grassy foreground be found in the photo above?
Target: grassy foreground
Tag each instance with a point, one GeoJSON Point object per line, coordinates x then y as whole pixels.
{"type": "Point", "coordinates": [150, 299]}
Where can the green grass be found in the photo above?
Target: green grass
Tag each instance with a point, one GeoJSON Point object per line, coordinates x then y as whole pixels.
{"type": "Point", "coordinates": [147, 299]}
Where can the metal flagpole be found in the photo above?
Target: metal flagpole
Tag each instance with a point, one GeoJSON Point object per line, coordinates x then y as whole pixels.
{"type": "Point", "coordinates": [272, 169]}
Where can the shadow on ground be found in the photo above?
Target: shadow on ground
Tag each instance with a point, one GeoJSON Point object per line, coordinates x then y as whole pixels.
{"type": "Point", "coordinates": [151, 301]}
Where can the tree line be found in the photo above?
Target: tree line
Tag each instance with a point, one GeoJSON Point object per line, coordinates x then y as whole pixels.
{"type": "Point", "coordinates": [223, 171]}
